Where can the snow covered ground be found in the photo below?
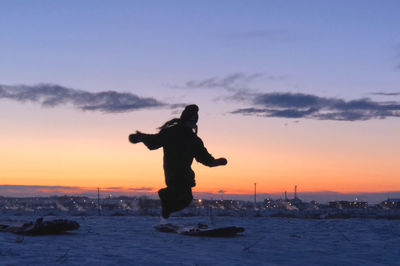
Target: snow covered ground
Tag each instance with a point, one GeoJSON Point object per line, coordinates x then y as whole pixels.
{"type": "Point", "coordinates": [132, 240]}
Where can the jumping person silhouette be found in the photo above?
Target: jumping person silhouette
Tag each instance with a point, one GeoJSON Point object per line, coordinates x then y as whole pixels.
{"type": "Point", "coordinates": [180, 142]}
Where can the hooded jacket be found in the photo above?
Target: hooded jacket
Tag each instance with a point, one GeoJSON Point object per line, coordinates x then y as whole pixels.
{"type": "Point", "coordinates": [180, 146]}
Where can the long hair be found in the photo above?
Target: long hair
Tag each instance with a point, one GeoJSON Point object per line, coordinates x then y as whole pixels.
{"type": "Point", "coordinates": [174, 122]}
{"type": "Point", "coordinates": [170, 123]}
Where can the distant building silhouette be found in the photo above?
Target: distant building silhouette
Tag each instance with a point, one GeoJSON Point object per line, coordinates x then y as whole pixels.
{"type": "Point", "coordinates": [343, 204]}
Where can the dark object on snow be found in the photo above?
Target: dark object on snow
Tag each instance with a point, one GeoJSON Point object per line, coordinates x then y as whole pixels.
{"type": "Point", "coordinates": [40, 227]}
{"type": "Point", "coordinates": [200, 230]}
{"type": "Point", "coordinates": [216, 232]}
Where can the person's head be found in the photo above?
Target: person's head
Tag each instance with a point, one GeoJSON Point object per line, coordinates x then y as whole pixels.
{"type": "Point", "coordinates": [190, 116]}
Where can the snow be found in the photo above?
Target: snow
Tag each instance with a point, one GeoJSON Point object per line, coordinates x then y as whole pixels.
{"type": "Point", "coordinates": [131, 240]}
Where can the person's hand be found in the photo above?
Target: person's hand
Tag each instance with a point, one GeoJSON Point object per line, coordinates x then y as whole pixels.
{"type": "Point", "coordinates": [222, 161]}
{"type": "Point", "coordinates": [137, 137]}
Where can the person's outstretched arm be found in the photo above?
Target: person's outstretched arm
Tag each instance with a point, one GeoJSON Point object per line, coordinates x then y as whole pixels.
{"type": "Point", "coordinates": [204, 157]}
{"type": "Point", "coordinates": [152, 141]}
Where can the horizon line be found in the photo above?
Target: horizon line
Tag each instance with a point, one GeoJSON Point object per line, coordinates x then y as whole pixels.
{"type": "Point", "coordinates": [152, 190]}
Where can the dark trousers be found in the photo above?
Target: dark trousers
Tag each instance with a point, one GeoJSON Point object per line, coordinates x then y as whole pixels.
{"type": "Point", "coordinates": [174, 198]}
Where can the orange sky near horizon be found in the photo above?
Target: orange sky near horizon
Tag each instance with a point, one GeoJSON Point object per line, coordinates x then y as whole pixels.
{"type": "Point", "coordinates": [92, 150]}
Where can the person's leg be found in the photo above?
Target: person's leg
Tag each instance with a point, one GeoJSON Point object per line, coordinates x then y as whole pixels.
{"type": "Point", "coordinates": [183, 199]}
{"type": "Point", "coordinates": [174, 198]}
{"type": "Point", "coordinates": [165, 199]}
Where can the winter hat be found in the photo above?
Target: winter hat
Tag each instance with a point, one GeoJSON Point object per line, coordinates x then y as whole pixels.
{"type": "Point", "coordinates": [190, 113]}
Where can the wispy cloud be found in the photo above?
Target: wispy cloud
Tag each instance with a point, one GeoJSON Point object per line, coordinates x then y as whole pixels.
{"type": "Point", "coordinates": [230, 82]}
{"type": "Point", "coordinates": [50, 95]}
{"type": "Point", "coordinates": [299, 105]}
{"type": "Point", "coordinates": [386, 93]}
{"type": "Point", "coordinates": [273, 35]}
{"type": "Point", "coordinates": [397, 56]}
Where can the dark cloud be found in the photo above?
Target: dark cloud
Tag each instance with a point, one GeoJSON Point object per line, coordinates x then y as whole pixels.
{"type": "Point", "coordinates": [41, 191]}
{"type": "Point", "coordinates": [287, 100]}
{"type": "Point", "coordinates": [284, 113]}
{"type": "Point", "coordinates": [24, 187]}
{"type": "Point", "coordinates": [50, 95]}
{"type": "Point", "coordinates": [386, 93]}
{"type": "Point", "coordinates": [298, 105]}
{"type": "Point", "coordinates": [33, 191]}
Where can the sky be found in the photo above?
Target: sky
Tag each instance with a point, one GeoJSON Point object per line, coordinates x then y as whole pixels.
{"type": "Point", "coordinates": [292, 93]}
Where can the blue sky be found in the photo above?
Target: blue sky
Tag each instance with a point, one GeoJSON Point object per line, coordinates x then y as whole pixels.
{"type": "Point", "coordinates": [336, 48]}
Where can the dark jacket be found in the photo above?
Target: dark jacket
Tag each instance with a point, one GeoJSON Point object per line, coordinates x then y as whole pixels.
{"type": "Point", "coordinates": [180, 146]}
